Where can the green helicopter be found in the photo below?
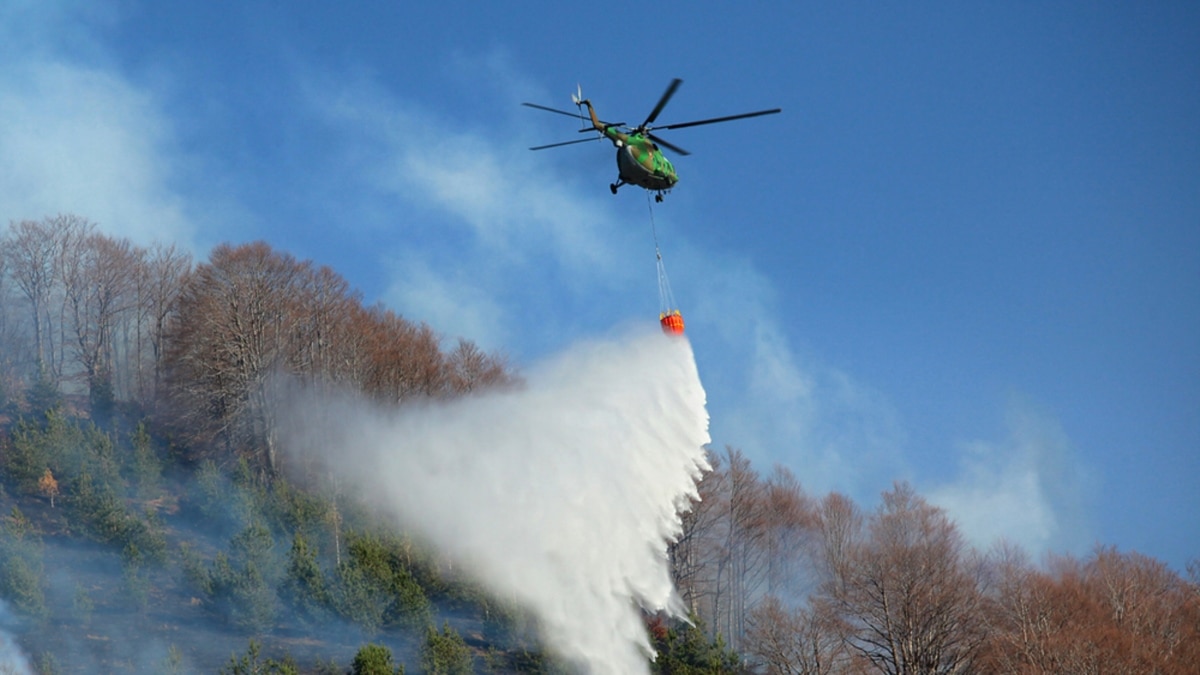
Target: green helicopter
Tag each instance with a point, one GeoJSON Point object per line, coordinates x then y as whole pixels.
{"type": "Point", "coordinates": [639, 160]}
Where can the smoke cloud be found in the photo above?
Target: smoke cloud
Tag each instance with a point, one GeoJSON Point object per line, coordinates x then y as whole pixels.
{"type": "Point", "coordinates": [1030, 488]}
{"type": "Point", "coordinates": [561, 493]}
{"type": "Point", "coordinates": [12, 659]}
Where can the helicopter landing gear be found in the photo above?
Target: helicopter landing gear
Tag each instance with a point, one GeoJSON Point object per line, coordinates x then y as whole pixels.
{"type": "Point", "coordinates": [613, 187]}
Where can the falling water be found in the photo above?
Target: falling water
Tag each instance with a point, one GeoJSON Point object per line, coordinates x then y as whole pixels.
{"type": "Point", "coordinates": [561, 493]}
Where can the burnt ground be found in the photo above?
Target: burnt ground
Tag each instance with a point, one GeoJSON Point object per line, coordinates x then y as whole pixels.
{"type": "Point", "coordinates": [120, 634]}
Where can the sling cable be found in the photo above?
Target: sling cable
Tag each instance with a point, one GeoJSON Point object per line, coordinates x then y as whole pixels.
{"type": "Point", "coordinates": [669, 315]}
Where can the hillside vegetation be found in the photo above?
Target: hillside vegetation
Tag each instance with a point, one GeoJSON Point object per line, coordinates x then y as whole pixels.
{"type": "Point", "coordinates": [147, 523]}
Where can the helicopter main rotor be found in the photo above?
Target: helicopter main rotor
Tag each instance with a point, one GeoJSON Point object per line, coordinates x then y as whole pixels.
{"type": "Point", "coordinates": [662, 103]}
{"type": "Point", "coordinates": [647, 127]}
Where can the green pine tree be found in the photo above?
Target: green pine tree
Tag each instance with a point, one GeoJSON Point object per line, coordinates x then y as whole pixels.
{"type": "Point", "coordinates": [374, 659]}
{"type": "Point", "coordinates": [304, 584]}
{"type": "Point", "coordinates": [446, 653]}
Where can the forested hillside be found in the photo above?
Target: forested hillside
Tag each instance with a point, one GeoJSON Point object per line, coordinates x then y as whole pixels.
{"type": "Point", "coordinates": [807, 585]}
{"type": "Point", "coordinates": [150, 523]}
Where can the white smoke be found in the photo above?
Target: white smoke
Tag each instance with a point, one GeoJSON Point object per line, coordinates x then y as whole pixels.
{"type": "Point", "coordinates": [560, 494]}
{"type": "Point", "coordinates": [12, 659]}
{"type": "Point", "coordinates": [1030, 488]}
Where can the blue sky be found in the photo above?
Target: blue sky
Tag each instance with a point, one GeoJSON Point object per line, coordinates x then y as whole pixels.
{"type": "Point", "coordinates": [966, 255]}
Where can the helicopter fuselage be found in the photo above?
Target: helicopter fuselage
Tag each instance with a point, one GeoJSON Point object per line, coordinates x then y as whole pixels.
{"type": "Point", "coordinates": [641, 163]}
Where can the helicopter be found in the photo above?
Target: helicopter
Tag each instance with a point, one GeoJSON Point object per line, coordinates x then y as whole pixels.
{"type": "Point", "coordinates": [639, 160]}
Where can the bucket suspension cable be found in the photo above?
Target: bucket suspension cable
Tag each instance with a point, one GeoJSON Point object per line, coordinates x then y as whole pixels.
{"type": "Point", "coordinates": [666, 300]}
{"type": "Point", "coordinates": [668, 312]}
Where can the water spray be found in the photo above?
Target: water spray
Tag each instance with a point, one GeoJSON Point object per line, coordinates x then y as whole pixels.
{"type": "Point", "coordinates": [561, 494]}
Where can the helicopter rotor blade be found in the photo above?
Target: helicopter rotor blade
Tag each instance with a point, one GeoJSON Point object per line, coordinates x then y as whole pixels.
{"type": "Point", "coordinates": [714, 120]}
{"type": "Point", "coordinates": [555, 145]}
{"type": "Point", "coordinates": [670, 146]}
{"type": "Point", "coordinates": [662, 102]}
{"type": "Point", "coordinates": [607, 125]}
{"type": "Point", "coordinates": [553, 110]}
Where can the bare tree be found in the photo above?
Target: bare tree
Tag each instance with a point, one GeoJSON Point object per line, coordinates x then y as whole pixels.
{"type": "Point", "coordinates": [323, 303]}
{"type": "Point", "coordinates": [159, 283]}
{"type": "Point", "coordinates": [720, 562]}
{"type": "Point", "coordinates": [909, 603]}
{"type": "Point", "coordinates": [70, 233]}
{"type": "Point", "coordinates": [403, 359]}
{"type": "Point", "coordinates": [32, 258]}
{"type": "Point", "coordinates": [1111, 613]}
{"type": "Point", "coordinates": [791, 531]}
{"type": "Point", "coordinates": [251, 314]}
{"type": "Point", "coordinates": [800, 641]}
{"type": "Point", "coordinates": [841, 533]}
{"type": "Point", "coordinates": [98, 274]}
{"type": "Point", "coordinates": [231, 336]}
{"type": "Point", "coordinates": [692, 555]}
{"type": "Point", "coordinates": [12, 346]}
{"type": "Point", "coordinates": [36, 251]}
{"type": "Point", "coordinates": [1148, 601]}
{"type": "Point", "coordinates": [745, 545]}
{"type": "Point", "coordinates": [471, 368]}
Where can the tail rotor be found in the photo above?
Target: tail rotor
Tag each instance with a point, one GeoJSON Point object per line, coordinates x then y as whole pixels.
{"type": "Point", "coordinates": [579, 101]}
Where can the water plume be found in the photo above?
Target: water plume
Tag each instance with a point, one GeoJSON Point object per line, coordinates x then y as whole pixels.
{"type": "Point", "coordinates": [561, 493]}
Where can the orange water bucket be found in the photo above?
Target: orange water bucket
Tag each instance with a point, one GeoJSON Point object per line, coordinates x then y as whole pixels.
{"type": "Point", "coordinates": [672, 322]}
